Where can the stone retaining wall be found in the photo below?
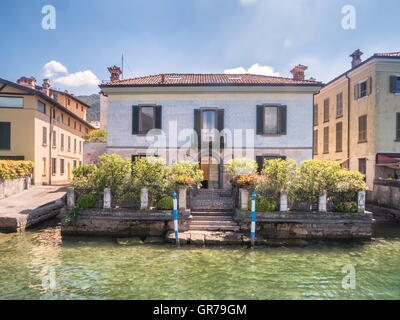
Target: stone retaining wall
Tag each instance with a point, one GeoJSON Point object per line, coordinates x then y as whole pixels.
{"type": "Point", "coordinates": [307, 225]}
{"type": "Point", "coordinates": [385, 193]}
{"type": "Point", "coordinates": [11, 186]}
{"type": "Point", "coordinates": [120, 222]}
{"type": "Point", "coordinates": [92, 151]}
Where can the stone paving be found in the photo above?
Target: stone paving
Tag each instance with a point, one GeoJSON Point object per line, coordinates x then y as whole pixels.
{"type": "Point", "coordinates": [30, 207]}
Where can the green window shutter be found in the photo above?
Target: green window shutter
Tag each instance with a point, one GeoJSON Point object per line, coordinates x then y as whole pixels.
{"type": "Point", "coordinates": [135, 119]}
{"type": "Point", "coordinates": [158, 117]}
{"type": "Point", "coordinates": [282, 120]}
{"type": "Point", "coordinates": [260, 120]}
{"type": "Point", "coordinates": [393, 84]}
{"type": "Point", "coordinates": [5, 135]}
{"type": "Point", "coordinates": [398, 126]}
{"type": "Point", "coordinates": [356, 92]}
{"type": "Point", "coordinates": [220, 119]}
{"type": "Point", "coordinates": [197, 124]}
{"type": "Point", "coordinates": [370, 85]}
{"type": "Point", "coordinates": [260, 163]}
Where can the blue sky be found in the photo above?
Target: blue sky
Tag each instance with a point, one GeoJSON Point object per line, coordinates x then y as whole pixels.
{"type": "Point", "coordinates": [199, 36]}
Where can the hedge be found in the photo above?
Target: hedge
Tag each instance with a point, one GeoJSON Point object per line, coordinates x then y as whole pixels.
{"type": "Point", "coordinates": [11, 169]}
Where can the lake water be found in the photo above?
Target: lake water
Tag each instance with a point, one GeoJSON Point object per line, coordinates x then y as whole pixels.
{"type": "Point", "coordinates": [100, 268]}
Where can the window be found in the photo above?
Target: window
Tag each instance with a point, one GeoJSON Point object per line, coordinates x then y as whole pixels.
{"type": "Point", "coordinates": [362, 165]}
{"type": "Point", "coordinates": [315, 114]}
{"type": "Point", "coordinates": [80, 146]}
{"type": "Point", "coordinates": [53, 113]}
{"type": "Point", "coordinates": [86, 130]}
{"type": "Point", "coordinates": [315, 137]}
{"type": "Point", "coordinates": [74, 124]}
{"type": "Point", "coordinates": [44, 166]}
{"type": "Point", "coordinates": [5, 135]}
{"type": "Point", "coordinates": [74, 145]}
{"type": "Point", "coordinates": [339, 105]}
{"type": "Point", "coordinates": [44, 138]}
{"type": "Point", "coordinates": [326, 140]}
{"type": "Point", "coordinates": [69, 143]}
{"type": "Point", "coordinates": [77, 106]}
{"type": "Point", "coordinates": [41, 107]}
{"type": "Point", "coordinates": [395, 84]}
{"type": "Point", "coordinates": [11, 102]}
{"type": "Point", "coordinates": [80, 127]}
{"type": "Point", "coordinates": [69, 122]}
{"type": "Point", "coordinates": [363, 89]}
{"type": "Point", "coordinates": [261, 160]}
{"type": "Point", "coordinates": [62, 118]}
{"type": "Point", "coordinates": [326, 110]}
{"type": "Point", "coordinates": [398, 126]}
{"type": "Point", "coordinates": [271, 120]}
{"type": "Point", "coordinates": [53, 165]}
{"type": "Point", "coordinates": [74, 164]}
{"type": "Point", "coordinates": [62, 166]}
{"type": "Point", "coordinates": [146, 119]}
{"type": "Point", "coordinates": [68, 102]}
{"type": "Point", "coordinates": [362, 129]}
{"type": "Point", "coordinates": [82, 108]}
{"type": "Point", "coordinates": [54, 138]}
{"type": "Point", "coordinates": [62, 141]}
{"type": "Point", "coordinates": [339, 136]}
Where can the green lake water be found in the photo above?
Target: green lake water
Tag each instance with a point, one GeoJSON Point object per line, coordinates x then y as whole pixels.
{"type": "Point", "coordinates": [100, 268]}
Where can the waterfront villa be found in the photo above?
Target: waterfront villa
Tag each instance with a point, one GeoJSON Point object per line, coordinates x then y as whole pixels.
{"type": "Point", "coordinates": [44, 125]}
{"type": "Point", "coordinates": [256, 116]}
{"type": "Point", "coordinates": [357, 117]}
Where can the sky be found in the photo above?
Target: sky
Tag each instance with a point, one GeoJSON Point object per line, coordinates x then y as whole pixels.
{"type": "Point", "coordinates": [188, 36]}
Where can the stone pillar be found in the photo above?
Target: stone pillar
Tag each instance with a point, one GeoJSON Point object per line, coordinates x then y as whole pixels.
{"type": "Point", "coordinates": [27, 182]}
{"type": "Point", "coordinates": [70, 198]}
{"type": "Point", "coordinates": [322, 203]}
{"type": "Point", "coordinates": [107, 198]}
{"type": "Point", "coordinates": [283, 202]}
{"type": "Point", "coordinates": [182, 199]}
{"type": "Point", "coordinates": [361, 202]}
{"type": "Point", "coordinates": [144, 198]}
{"type": "Point", "coordinates": [243, 199]}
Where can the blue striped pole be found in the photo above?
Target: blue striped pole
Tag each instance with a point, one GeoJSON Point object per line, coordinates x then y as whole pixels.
{"type": "Point", "coordinates": [253, 218]}
{"type": "Point", "coordinates": [176, 218]}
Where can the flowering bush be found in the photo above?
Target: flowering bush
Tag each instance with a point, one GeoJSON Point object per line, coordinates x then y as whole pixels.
{"type": "Point", "coordinates": [243, 166]}
{"type": "Point", "coordinates": [245, 180]}
{"type": "Point", "coordinates": [10, 169]}
{"type": "Point", "coordinates": [183, 180]}
{"type": "Point", "coordinates": [188, 169]}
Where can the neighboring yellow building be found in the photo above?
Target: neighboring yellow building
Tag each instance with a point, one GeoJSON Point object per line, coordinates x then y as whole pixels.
{"type": "Point", "coordinates": [357, 117]}
{"type": "Point", "coordinates": [35, 125]}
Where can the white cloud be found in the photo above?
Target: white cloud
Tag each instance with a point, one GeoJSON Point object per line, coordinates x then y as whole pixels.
{"type": "Point", "coordinates": [287, 43]}
{"type": "Point", "coordinates": [246, 3]}
{"type": "Point", "coordinates": [80, 78]}
{"type": "Point", "coordinates": [53, 67]}
{"type": "Point", "coordinates": [254, 69]}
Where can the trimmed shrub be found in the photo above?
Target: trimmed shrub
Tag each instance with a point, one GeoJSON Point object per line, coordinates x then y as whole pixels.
{"type": "Point", "coordinates": [84, 171]}
{"type": "Point", "coordinates": [10, 169]}
{"type": "Point", "coordinates": [188, 170]}
{"type": "Point", "coordinates": [278, 174]}
{"type": "Point", "coordinates": [86, 201]}
{"type": "Point", "coordinates": [345, 206]}
{"type": "Point", "coordinates": [165, 203]}
{"type": "Point", "coordinates": [263, 204]}
{"type": "Point", "coordinates": [237, 167]}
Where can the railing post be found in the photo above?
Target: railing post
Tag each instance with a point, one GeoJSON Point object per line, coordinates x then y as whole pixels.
{"type": "Point", "coordinates": [243, 199]}
{"type": "Point", "coordinates": [253, 218]}
{"type": "Point", "coordinates": [361, 202]}
{"type": "Point", "coordinates": [176, 218]}
{"type": "Point", "coordinates": [283, 203]}
{"type": "Point", "coordinates": [107, 198]}
{"type": "Point", "coordinates": [322, 202]}
{"type": "Point", "coordinates": [70, 198]}
{"type": "Point", "coordinates": [144, 198]}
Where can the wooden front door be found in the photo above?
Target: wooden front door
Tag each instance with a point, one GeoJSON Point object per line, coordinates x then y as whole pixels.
{"type": "Point", "coordinates": [210, 167]}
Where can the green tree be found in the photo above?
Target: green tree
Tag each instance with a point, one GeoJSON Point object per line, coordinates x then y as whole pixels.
{"type": "Point", "coordinates": [99, 135]}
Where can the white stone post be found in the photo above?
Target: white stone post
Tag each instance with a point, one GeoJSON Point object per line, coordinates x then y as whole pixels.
{"type": "Point", "coordinates": [144, 198]}
{"type": "Point", "coordinates": [182, 198]}
{"type": "Point", "coordinates": [322, 203]}
{"type": "Point", "coordinates": [27, 182]}
{"type": "Point", "coordinates": [361, 202]}
{"type": "Point", "coordinates": [243, 199]}
{"type": "Point", "coordinates": [70, 198]}
{"type": "Point", "coordinates": [107, 198]}
{"type": "Point", "coordinates": [283, 202]}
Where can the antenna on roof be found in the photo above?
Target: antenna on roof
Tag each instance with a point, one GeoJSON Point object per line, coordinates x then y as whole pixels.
{"type": "Point", "coordinates": [122, 65]}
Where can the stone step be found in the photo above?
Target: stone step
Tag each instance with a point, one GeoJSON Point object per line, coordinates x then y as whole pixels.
{"type": "Point", "coordinates": [214, 223]}
{"type": "Point", "coordinates": [213, 212]}
{"type": "Point", "coordinates": [211, 218]}
{"type": "Point", "coordinates": [214, 227]}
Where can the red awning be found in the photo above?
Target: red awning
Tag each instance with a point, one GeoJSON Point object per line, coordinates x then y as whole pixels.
{"type": "Point", "coordinates": [388, 158]}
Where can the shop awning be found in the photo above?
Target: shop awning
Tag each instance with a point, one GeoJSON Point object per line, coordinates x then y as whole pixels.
{"type": "Point", "coordinates": [388, 159]}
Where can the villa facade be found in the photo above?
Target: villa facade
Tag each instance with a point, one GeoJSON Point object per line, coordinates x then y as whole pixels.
{"type": "Point", "coordinates": [210, 118]}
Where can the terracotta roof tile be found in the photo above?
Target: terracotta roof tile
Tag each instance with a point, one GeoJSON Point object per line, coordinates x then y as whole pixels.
{"type": "Point", "coordinates": [189, 79]}
{"type": "Point", "coordinates": [390, 54]}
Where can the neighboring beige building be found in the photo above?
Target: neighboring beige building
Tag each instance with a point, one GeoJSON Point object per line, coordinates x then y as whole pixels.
{"type": "Point", "coordinates": [357, 117]}
{"type": "Point", "coordinates": [35, 125]}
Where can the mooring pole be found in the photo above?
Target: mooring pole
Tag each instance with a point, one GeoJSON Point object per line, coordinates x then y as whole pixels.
{"type": "Point", "coordinates": [176, 218]}
{"type": "Point", "coordinates": [253, 218]}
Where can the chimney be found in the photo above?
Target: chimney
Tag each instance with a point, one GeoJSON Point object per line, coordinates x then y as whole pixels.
{"type": "Point", "coordinates": [298, 72]}
{"type": "Point", "coordinates": [27, 82]}
{"type": "Point", "coordinates": [356, 55]}
{"type": "Point", "coordinates": [46, 86]}
{"type": "Point", "coordinates": [162, 78]}
{"type": "Point", "coordinates": [115, 73]}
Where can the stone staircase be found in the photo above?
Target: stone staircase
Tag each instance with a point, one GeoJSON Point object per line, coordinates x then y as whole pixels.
{"type": "Point", "coordinates": [212, 210]}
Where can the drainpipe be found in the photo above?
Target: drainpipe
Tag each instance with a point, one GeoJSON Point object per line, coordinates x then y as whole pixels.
{"type": "Point", "coordinates": [348, 119]}
{"type": "Point", "coordinates": [50, 145]}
